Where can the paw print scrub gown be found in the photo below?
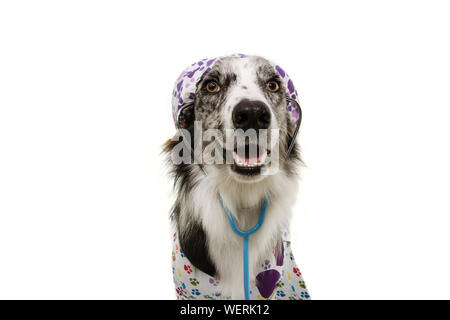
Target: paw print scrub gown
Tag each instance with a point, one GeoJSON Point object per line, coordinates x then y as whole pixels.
{"type": "Point", "coordinates": [277, 277]}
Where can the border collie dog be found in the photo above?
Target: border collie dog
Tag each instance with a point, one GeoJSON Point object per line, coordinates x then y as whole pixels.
{"type": "Point", "coordinates": [227, 94]}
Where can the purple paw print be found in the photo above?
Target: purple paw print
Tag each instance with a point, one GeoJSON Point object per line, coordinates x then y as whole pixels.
{"type": "Point", "coordinates": [266, 265]}
{"type": "Point", "coordinates": [213, 281]}
{"type": "Point", "coordinates": [180, 291]}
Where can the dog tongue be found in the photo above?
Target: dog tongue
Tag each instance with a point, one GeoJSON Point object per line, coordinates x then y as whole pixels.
{"type": "Point", "coordinates": [253, 160]}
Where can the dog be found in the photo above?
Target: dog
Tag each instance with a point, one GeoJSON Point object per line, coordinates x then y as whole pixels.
{"type": "Point", "coordinates": [236, 92]}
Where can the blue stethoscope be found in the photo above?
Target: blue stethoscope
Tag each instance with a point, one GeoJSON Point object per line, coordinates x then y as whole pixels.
{"type": "Point", "coordinates": [246, 235]}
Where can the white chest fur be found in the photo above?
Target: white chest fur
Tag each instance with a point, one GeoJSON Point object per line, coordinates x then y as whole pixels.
{"type": "Point", "coordinates": [244, 200]}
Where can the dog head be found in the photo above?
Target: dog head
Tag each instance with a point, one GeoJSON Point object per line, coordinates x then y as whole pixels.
{"type": "Point", "coordinates": [245, 109]}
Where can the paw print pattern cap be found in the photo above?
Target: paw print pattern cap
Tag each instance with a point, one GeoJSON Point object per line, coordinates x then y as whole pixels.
{"type": "Point", "coordinates": [184, 90]}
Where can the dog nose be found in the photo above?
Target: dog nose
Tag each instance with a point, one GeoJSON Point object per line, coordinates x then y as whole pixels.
{"type": "Point", "coordinates": [251, 115]}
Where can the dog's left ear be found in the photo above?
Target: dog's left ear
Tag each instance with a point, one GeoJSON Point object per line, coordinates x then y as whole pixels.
{"type": "Point", "coordinates": [294, 116]}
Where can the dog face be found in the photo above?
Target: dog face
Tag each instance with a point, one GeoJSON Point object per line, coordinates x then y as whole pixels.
{"type": "Point", "coordinates": [245, 95]}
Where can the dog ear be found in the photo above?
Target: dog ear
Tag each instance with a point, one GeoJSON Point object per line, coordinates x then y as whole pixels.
{"type": "Point", "coordinates": [185, 120]}
{"type": "Point", "coordinates": [186, 117]}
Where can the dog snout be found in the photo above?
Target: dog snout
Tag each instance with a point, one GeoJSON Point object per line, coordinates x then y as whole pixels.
{"type": "Point", "coordinates": [251, 115]}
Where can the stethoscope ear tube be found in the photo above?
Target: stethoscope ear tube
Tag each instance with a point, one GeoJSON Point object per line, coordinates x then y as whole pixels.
{"type": "Point", "coordinates": [297, 125]}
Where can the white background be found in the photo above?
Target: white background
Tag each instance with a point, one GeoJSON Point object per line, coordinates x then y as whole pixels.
{"type": "Point", "coordinates": [85, 91]}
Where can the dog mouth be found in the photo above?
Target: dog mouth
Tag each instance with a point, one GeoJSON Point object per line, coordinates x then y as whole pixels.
{"type": "Point", "coordinates": [249, 159]}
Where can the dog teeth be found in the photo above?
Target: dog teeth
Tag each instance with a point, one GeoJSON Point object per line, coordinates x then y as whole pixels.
{"type": "Point", "coordinates": [248, 164]}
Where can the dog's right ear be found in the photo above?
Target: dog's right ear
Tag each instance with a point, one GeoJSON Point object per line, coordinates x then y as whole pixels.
{"type": "Point", "coordinates": [185, 120]}
{"type": "Point", "coordinates": [186, 117]}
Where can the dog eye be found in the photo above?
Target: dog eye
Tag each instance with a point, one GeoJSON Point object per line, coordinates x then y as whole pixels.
{"type": "Point", "coordinates": [272, 86]}
{"type": "Point", "coordinates": [212, 87]}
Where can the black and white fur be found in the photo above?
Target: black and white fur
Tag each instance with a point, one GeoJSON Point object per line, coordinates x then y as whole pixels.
{"type": "Point", "coordinates": [204, 231]}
